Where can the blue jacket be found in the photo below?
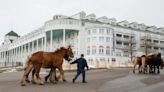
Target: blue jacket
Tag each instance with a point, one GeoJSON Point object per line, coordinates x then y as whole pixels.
{"type": "Point", "coordinates": [81, 63]}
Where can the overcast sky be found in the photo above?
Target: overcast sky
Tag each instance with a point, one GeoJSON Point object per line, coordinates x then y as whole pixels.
{"type": "Point", "coordinates": [24, 16]}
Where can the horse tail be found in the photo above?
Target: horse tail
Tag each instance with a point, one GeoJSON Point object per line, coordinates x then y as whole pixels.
{"type": "Point", "coordinates": [28, 62]}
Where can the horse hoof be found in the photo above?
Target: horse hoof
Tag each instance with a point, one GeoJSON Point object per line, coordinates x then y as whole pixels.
{"type": "Point", "coordinates": [41, 83]}
{"type": "Point", "coordinates": [56, 79]}
{"type": "Point", "coordinates": [23, 84]}
{"type": "Point", "coordinates": [64, 80]}
{"type": "Point", "coordinates": [33, 82]}
{"type": "Point", "coordinates": [27, 81]}
{"type": "Point", "coordinates": [54, 82]}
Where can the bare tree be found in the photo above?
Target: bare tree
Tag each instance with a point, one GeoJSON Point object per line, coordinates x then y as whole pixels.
{"type": "Point", "coordinates": [146, 43]}
{"type": "Point", "coordinates": [132, 46]}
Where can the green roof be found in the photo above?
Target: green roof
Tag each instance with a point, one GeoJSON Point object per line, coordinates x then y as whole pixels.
{"type": "Point", "coordinates": [12, 33]}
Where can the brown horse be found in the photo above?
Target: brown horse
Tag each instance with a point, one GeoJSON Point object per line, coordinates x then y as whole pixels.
{"type": "Point", "coordinates": [151, 62]}
{"type": "Point", "coordinates": [137, 61]}
{"type": "Point", "coordinates": [43, 59]}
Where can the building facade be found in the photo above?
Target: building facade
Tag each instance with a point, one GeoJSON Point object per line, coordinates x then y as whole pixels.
{"type": "Point", "coordinates": [104, 41]}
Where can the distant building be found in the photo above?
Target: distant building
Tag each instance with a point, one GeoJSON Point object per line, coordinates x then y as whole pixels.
{"type": "Point", "coordinates": [104, 41]}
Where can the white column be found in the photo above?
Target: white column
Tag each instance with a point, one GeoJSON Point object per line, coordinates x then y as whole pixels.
{"type": "Point", "coordinates": [12, 55]}
{"type": "Point", "coordinates": [42, 44]}
{"type": "Point", "coordinates": [45, 42]}
{"type": "Point", "coordinates": [37, 44]}
{"type": "Point", "coordinates": [64, 36]}
{"type": "Point", "coordinates": [33, 46]}
{"type": "Point", "coordinates": [16, 54]}
{"type": "Point", "coordinates": [25, 51]}
{"type": "Point", "coordinates": [28, 47]}
{"type": "Point", "coordinates": [9, 56]}
{"type": "Point", "coordinates": [4, 56]}
{"type": "Point", "coordinates": [1, 58]}
{"type": "Point", "coordinates": [51, 40]}
{"type": "Point", "coordinates": [22, 53]}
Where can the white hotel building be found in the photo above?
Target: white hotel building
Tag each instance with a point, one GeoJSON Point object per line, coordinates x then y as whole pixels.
{"type": "Point", "coordinates": [104, 41]}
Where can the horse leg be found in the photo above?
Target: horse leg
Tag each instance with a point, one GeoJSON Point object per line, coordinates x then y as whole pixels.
{"type": "Point", "coordinates": [158, 69]}
{"type": "Point", "coordinates": [33, 80]}
{"type": "Point", "coordinates": [62, 73]}
{"type": "Point", "coordinates": [27, 80]}
{"type": "Point", "coordinates": [53, 76]}
{"type": "Point", "coordinates": [134, 68]}
{"type": "Point", "coordinates": [25, 75]}
{"type": "Point", "coordinates": [46, 77]}
{"type": "Point", "coordinates": [38, 79]}
{"type": "Point", "coordinates": [154, 68]}
{"type": "Point", "coordinates": [139, 69]}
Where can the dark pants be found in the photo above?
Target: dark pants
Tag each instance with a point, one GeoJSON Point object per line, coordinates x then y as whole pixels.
{"type": "Point", "coordinates": [78, 73]}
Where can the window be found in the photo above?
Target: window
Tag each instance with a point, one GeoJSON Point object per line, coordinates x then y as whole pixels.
{"type": "Point", "coordinates": [155, 48]}
{"type": "Point", "coordinates": [101, 50]}
{"type": "Point", "coordinates": [101, 39]}
{"type": "Point", "coordinates": [126, 36]}
{"type": "Point", "coordinates": [35, 43]}
{"type": "Point", "coordinates": [126, 54]}
{"type": "Point", "coordinates": [39, 42]}
{"type": "Point", "coordinates": [108, 31]}
{"type": "Point", "coordinates": [30, 45]}
{"type": "Point", "coordinates": [107, 39]}
{"type": "Point", "coordinates": [126, 44]}
{"type": "Point", "coordinates": [107, 50]}
{"type": "Point", "coordinates": [118, 35]}
{"type": "Point", "coordinates": [89, 32]}
{"type": "Point", "coordinates": [88, 39]}
{"type": "Point", "coordinates": [101, 31]}
{"type": "Point", "coordinates": [162, 42]}
{"type": "Point", "coordinates": [27, 47]}
{"type": "Point", "coordinates": [48, 35]}
{"type": "Point", "coordinates": [156, 41]}
{"type": "Point", "coordinates": [118, 53]}
{"type": "Point", "coordinates": [69, 35]}
{"type": "Point", "coordinates": [94, 31]}
{"type": "Point", "coordinates": [93, 49]}
{"type": "Point", "coordinates": [94, 39]}
{"type": "Point", "coordinates": [118, 43]}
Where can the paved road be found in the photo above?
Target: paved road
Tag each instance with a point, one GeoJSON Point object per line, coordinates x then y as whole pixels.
{"type": "Point", "coordinates": [112, 80]}
{"type": "Point", "coordinates": [10, 82]}
{"type": "Point", "coordinates": [135, 83]}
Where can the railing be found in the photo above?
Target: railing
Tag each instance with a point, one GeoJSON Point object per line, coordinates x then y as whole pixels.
{"type": "Point", "coordinates": [125, 39]}
{"type": "Point", "coordinates": [124, 47]}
